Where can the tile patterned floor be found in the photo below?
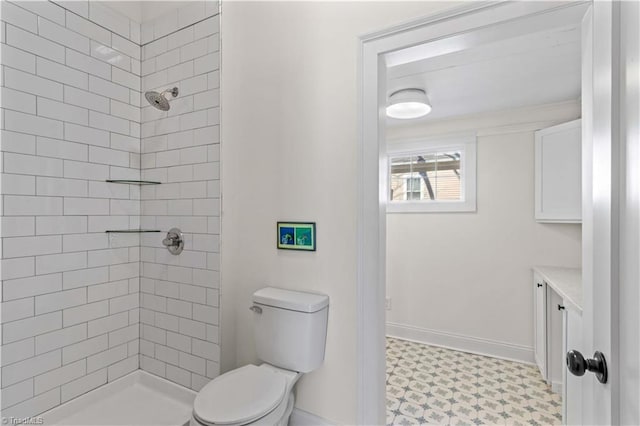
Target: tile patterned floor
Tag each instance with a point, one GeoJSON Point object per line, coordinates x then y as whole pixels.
{"type": "Point", "coordinates": [431, 385]}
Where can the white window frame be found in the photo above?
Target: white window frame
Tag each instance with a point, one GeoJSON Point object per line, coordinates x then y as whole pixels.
{"type": "Point", "coordinates": [467, 144]}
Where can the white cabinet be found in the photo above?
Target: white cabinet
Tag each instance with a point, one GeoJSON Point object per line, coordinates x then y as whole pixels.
{"type": "Point", "coordinates": [540, 323]}
{"type": "Point", "coordinates": [572, 389]}
{"type": "Point", "coordinates": [548, 332]}
{"type": "Point", "coordinates": [555, 340]}
{"type": "Point", "coordinates": [558, 173]}
{"type": "Point", "coordinates": [557, 328]}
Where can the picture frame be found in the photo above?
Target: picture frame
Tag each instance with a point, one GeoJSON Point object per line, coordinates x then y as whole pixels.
{"type": "Point", "coordinates": [296, 236]}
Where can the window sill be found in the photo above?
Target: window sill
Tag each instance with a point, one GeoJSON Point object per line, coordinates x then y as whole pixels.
{"type": "Point", "coordinates": [432, 207]}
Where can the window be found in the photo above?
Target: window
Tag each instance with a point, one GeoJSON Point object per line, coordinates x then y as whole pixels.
{"type": "Point", "coordinates": [413, 188]}
{"type": "Point", "coordinates": [432, 175]}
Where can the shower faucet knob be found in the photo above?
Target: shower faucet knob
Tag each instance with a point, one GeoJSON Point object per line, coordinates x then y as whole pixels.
{"type": "Point", "coordinates": [174, 241]}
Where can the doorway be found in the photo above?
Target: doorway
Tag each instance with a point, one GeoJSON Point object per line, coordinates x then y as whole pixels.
{"type": "Point", "coordinates": [481, 190]}
{"type": "Point", "coordinates": [447, 33]}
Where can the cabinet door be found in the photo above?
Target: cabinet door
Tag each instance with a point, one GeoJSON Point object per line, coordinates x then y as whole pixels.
{"type": "Point", "coordinates": [558, 173]}
{"type": "Point", "coordinates": [555, 343]}
{"type": "Point", "coordinates": [572, 389]}
{"type": "Point", "coordinates": [540, 323]}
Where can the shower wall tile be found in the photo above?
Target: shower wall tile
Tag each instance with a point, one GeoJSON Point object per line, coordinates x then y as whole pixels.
{"type": "Point", "coordinates": [70, 292]}
{"type": "Point", "coordinates": [56, 148]}
{"type": "Point", "coordinates": [29, 83]}
{"type": "Point", "coordinates": [87, 28]}
{"type": "Point", "coordinates": [61, 35]}
{"type": "Point", "coordinates": [47, 10]}
{"type": "Point", "coordinates": [19, 101]}
{"type": "Point", "coordinates": [88, 64]}
{"type": "Point", "coordinates": [118, 24]}
{"type": "Point", "coordinates": [33, 44]}
{"type": "Point", "coordinates": [179, 294]}
{"type": "Point", "coordinates": [54, 71]}
{"type": "Point", "coordinates": [73, 298]}
{"type": "Point", "coordinates": [20, 17]}
{"type": "Point", "coordinates": [83, 385]}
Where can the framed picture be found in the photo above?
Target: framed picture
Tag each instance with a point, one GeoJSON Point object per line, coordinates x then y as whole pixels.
{"type": "Point", "coordinates": [297, 236]}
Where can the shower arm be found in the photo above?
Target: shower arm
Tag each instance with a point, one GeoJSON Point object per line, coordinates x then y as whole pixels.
{"type": "Point", "coordinates": [173, 91]}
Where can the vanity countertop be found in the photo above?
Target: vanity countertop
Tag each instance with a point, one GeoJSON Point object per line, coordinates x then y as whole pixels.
{"type": "Point", "coordinates": [567, 282]}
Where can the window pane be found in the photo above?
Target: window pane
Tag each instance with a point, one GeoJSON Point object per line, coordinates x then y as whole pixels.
{"type": "Point", "coordinates": [448, 182]}
{"type": "Point", "coordinates": [400, 172]}
{"type": "Point", "coordinates": [414, 186]}
{"type": "Point", "coordinates": [425, 176]}
{"type": "Point", "coordinates": [425, 167]}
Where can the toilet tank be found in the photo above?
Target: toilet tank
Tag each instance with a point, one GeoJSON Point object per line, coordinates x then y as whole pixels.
{"type": "Point", "coordinates": [290, 328]}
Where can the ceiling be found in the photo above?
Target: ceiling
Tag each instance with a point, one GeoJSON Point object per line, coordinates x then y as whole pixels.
{"type": "Point", "coordinates": [520, 64]}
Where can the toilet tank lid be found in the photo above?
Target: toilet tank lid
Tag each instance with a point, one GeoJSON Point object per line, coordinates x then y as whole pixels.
{"type": "Point", "coordinates": [293, 300]}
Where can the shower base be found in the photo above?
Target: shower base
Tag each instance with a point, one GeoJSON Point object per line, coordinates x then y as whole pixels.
{"type": "Point", "coordinates": [136, 399]}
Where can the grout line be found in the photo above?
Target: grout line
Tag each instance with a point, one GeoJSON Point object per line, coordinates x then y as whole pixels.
{"type": "Point", "coordinates": [80, 16]}
{"type": "Point", "coordinates": [139, 245]}
{"type": "Point", "coordinates": [180, 29]}
{"type": "Point", "coordinates": [110, 99]}
{"type": "Point", "coordinates": [68, 85]}
{"type": "Point", "coordinates": [64, 46]}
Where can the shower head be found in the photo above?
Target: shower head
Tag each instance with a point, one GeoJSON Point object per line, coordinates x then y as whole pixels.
{"type": "Point", "coordinates": [158, 100]}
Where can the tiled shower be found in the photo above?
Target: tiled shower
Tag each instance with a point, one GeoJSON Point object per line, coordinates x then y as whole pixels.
{"type": "Point", "coordinates": [82, 307]}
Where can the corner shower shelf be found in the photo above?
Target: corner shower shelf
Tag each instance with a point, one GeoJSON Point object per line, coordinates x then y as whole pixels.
{"type": "Point", "coordinates": [130, 231]}
{"type": "Point", "coordinates": [133, 182]}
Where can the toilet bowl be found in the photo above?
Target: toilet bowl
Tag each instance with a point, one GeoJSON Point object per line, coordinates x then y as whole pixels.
{"type": "Point", "coordinates": [290, 330]}
{"type": "Point", "coordinates": [256, 395]}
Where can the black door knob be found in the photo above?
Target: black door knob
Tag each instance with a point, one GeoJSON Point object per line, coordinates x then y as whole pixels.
{"type": "Point", "coordinates": [577, 365]}
{"type": "Point", "coordinates": [539, 285]}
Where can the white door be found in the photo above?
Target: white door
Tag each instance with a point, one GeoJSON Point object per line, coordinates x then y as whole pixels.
{"type": "Point", "coordinates": [598, 235]}
{"type": "Point", "coordinates": [572, 385]}
{"type": "Point", "coordinates": [610, 210]}
{"type": "Point", "coordinates": [629, 288]}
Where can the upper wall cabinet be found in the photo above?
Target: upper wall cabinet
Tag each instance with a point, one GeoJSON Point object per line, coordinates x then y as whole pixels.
{"type": "Point", "coordinates": [558, 173]}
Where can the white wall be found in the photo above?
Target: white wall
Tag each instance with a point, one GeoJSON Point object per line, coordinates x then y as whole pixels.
{"type": "Point", "coordinates": [70, 104]}
{"type": "Point", "coordinates": [289, 122]}
{"type": "Point", "coordinates": [456, 278]}
{"type": "Point", "coordinates": [180, 148]}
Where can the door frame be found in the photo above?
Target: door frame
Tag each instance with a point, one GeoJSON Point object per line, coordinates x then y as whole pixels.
{"type": "Point", "coordinates": [371, 152]}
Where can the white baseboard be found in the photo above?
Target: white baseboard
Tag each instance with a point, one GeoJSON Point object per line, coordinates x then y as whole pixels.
{"type": "Point", "coordinates": [462, 343]}
{"type": "Point", "coordinates": [304, 418]}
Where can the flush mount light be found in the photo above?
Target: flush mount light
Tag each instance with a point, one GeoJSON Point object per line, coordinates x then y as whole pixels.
{"type": "Point", "coordinates": [408, 103]}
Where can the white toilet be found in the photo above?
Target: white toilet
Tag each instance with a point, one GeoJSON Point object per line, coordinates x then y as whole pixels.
{"type": "Point", "coordinates": [290, 330]}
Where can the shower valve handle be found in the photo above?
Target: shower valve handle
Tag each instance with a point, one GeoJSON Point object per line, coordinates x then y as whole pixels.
{"type": "Point", "coordinates": [174, 241]}
{"type": "Point", "coordinates": [171, 240]}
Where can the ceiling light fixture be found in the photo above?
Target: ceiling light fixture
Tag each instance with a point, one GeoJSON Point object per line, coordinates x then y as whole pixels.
{"type": "Point", "coordinates": [406, 104]}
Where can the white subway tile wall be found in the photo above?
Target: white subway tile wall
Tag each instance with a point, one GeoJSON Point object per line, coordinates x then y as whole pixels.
{"type": "Point", "coordinates": [179, 295]}
{"type": "Point", "coordinates": [81, 307]}
{"type": "Point", "coordinates": [70, 119]}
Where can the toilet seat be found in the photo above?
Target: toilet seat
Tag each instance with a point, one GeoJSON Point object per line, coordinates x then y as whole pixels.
{"type": "Point", "coordinates": [240, 396]}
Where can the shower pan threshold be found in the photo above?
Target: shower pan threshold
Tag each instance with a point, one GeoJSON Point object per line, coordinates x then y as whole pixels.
{"type": "Point", "coordinates": [137, 399]}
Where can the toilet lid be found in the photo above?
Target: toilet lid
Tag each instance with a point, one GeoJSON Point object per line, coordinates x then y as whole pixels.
{"type": "Point", "coordinates": [240, 396]}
